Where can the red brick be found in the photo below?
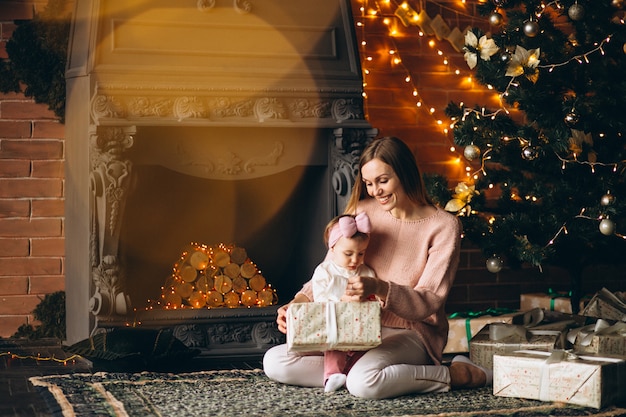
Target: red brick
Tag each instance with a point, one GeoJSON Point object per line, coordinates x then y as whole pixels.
{"type": "Point", "coordinates": [18, 304]}
{"type": "Point", "coordinates": [30, 228]}
{"type": "Point", "coordinates": [6, 29]}
{"type": "Point", "coordinates": [13, 130]}
{"type": "Point", "coordinates": [48, 169]}
{"type": "Point", "coordinates": [16, 10]}
{"type": "Point", "coordinates": [14, 208]}
{"type": "Point", "coordinates": [31, 149]}
{"type": "Point", "coordinates": [25, 110]}
{"type": "Point", "coordinates": [31, 266]}
{"type": "Point", "coordinates": [47, 284]}
{"type": "Point", "coordinates": [12, 247]}
{"type": "Point", "coordinates": [3, 50]}
{"type": "Point", "coordinates": [48, 208]}
{"type": "Point", "coordinates": [10, 323]}
{"type": "Point", "coordinates": [48, 130]}
{"type": "Point", "coordinates": [15, 169]}
{"type": "Point", "coordinates": [22, 188]}
{"type": "Point", "coordinates": [14, 285]}
{"type": "Point", "coordinates": [48, 247]}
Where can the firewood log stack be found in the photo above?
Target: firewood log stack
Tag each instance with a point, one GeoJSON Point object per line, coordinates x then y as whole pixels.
{"type": "Point", "coordinates": [216, 277]}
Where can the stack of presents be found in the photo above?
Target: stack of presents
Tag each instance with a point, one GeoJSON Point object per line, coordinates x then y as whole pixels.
{"type": "Point", "coordinates": [541, 352]}
{"type": "Point", "coordinates": [544, 352]}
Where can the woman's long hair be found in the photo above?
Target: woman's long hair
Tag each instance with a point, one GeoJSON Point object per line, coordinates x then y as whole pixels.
{"type": "Point", "coordinates": [395, 153]}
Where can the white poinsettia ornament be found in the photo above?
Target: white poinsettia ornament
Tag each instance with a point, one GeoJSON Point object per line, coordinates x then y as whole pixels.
{"type": "Point", "coordinates": [474, 46]}
{"type": "Point", "coordinates": [524, 59]}
{"type": "Point", "coordinates": [461, 198]}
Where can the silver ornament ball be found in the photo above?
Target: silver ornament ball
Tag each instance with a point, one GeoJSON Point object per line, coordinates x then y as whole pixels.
{"type": "Point", "coordinates": [607, 199]}
{"type": "Point", "coordinates": [471, 152]}
{"type": "Point", "coordinates": [607, 227]}
{"type": "Point", "coordinates": [529, 153]}
{"type": "Point", "coordinates": [571, 119]}
{"type": "Point", "coordinates": [494, 264]}
{"type": "Point", "coordinates": [576, 12]}
{"type": "Point", "coordinates": [531, 28]}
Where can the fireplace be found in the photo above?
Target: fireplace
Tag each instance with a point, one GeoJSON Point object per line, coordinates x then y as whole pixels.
{"type": "Point", "coordinates": [211, 121]}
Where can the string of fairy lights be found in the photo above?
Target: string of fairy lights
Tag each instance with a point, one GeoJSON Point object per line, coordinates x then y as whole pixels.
{"type": "Point", "coordinates": [402, 17]}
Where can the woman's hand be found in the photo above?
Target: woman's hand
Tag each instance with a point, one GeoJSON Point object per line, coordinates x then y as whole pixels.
{"type": "Point", "coordinates": [281, 318]}
{"type": "Point", "coordinates": [362, 288]}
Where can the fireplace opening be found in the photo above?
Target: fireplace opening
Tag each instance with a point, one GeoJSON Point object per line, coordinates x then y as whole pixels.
{"type": "Point", "coordinates": [278, 217]}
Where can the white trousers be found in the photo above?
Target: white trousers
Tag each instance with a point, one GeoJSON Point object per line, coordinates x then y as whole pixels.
{"type": "Point", "coordinates": [399, 365]}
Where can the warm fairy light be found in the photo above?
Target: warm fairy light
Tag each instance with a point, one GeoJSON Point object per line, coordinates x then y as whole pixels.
{"type": "Point", "coordinates": [431, 43]}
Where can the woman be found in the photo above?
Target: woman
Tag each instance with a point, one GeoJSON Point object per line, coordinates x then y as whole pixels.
{"type": "Point", "coordinates": [414, 250]}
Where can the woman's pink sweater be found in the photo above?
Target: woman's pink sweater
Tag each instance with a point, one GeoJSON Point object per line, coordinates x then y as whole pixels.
{"type": "Point", "coordinates": [419, 259]}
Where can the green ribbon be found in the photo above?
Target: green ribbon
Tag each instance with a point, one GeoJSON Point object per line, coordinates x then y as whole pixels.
{"type": "Point", "coordinates": [469, 315]}
{"type": "Point", "coordinates": [557, 294]}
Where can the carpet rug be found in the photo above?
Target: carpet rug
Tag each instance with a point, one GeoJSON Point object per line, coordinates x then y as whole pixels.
{"type": "Point", "coordinates": [250, 393]}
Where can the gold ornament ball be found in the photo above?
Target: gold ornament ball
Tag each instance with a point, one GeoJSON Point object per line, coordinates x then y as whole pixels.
{"type": "Point", "coordinates": [471, 152]}
{"type": "Point", "coordinates": [494, 264]}
{"type": "Point", "coordinates": [607, 227]}
{"type": "Point", "coordinates": [618, 4]}
{"type": "Point", "coordinates": [624, 48]}
{"type": "Point", "coordinates": [607, 199]}
{"type": "Point", "coordinates": [576, 12]}
{"type": "Point", "coordinates": [495, 19]}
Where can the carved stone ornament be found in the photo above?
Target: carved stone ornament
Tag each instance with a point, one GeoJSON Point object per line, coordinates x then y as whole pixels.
{"type": "Point", "coordinates": [211, 109]}
{"type": "Point", "coordinates": [347, 147]}
{"type": "Point", "coordinates": [109, 182]}
{"type": "Point", "coordinates": [240, 6]}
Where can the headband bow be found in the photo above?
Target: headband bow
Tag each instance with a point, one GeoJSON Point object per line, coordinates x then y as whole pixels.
{"type": "Point", "coordinates": [347, 226]}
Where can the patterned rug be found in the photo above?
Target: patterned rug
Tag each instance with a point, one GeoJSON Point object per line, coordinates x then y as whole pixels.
{"type": "Point", "coordinates": [250, 393]}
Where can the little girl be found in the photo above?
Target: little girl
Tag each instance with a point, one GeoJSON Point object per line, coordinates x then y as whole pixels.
{"type": "Point", "coordinates": [347, 238]}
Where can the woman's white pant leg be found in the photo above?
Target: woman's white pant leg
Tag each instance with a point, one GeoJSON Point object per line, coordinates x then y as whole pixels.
{"type": "Point", "coordinates": [295, 369]}
{"type": "Point", "coordinates": [399, 366]}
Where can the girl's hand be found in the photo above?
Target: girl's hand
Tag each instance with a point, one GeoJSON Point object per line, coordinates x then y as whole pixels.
{"type": "Point", "coordinates": [362, 288]}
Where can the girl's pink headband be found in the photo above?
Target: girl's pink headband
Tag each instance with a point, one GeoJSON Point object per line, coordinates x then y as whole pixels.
{"type": "Point", "coordinates": [347, 226]}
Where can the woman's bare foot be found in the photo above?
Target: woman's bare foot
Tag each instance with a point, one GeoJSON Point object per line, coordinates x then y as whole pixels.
{"type": "Point", "coordinates": [466, 374]}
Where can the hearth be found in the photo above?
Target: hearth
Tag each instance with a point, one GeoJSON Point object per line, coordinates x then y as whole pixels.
{"type": "Point", "coordinates": [208, 122]}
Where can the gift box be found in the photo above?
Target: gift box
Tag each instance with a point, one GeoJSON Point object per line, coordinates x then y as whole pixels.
{"type": "Point", "coordinates": [560, 302]}
{"type": "Point", "coordinates": [600, 338]}
{"type": "Point", "coordinates": [317, 327]}
{"type": "Point", "coordinates": [463, 326]}
{"type": "Point", "coordinates": [590, 381]}
{"type": "Point", "coordinates": [500, 338]}
{"type": "Point", "coordinates": [606, 305]}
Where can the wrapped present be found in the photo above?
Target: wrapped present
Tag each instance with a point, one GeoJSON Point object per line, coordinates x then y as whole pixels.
{"type": "Point", "coordinates": [317, 327]}
{"type": "Point", "coordinates": [591, 381]}
{"type": "Point", "coordinates": [553, 301]}
{"type": "Point", "coordinates": [463, 326]}
{"type": "Point", "coordinates": [606, 305]}
{"type": "Point", "coordinates": [500, 338]}
{"type": "Point", "coordinates": [601, 337]}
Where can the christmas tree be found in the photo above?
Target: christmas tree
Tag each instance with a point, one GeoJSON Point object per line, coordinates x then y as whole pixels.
{"type": "Point", "coordinates": [549, 185]}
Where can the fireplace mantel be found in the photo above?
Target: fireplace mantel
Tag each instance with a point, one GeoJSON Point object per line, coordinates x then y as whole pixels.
{"type": "Point", "coordinates": [217, 90]}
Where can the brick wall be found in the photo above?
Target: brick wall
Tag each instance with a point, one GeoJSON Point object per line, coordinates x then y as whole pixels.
{"type": "Point", "coordinates": [31, 195]}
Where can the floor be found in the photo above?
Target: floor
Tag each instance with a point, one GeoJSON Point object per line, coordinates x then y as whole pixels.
{"type": "Point", "coordinates": [19, 362]}
{"type": "Point", "coordinates": [22, 359]}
